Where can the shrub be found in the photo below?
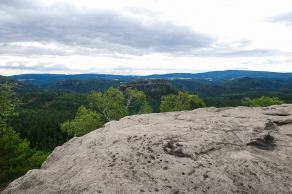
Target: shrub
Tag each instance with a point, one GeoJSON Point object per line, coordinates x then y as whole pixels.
{"type": "Point", "coordinates": [181, 101]}
{"type": "Point", "coordinates": [262, 101]}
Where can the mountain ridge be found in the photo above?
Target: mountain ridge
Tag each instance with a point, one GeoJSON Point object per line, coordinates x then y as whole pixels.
{"type": "Point", "coordinates": [48, 80]}
{"type": "Point", "coordinates": [209, 74]}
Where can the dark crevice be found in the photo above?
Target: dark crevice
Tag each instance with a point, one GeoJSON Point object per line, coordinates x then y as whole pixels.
{"type": "Point", "coordinates": [270, 125]}
{"type": "Point", "coordinates": [174, 148]}
{"type": "Point", "coordinates": [283, 122]}
{"type": "Point", "coordinates": [265, 143]}
{"type": "Point", "coordinates": [281, 114]}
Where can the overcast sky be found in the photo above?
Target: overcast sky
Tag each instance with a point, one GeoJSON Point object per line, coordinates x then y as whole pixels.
{"type": "Point", "coordinates": [144, 36]}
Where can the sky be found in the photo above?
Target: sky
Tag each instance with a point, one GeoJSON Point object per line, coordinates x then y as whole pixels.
{"type": "Point", "coordinates": [141, 37]}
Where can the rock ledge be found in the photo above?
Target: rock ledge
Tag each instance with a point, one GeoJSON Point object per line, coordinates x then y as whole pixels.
{"type": "Point", "coordinates": [209, 150]}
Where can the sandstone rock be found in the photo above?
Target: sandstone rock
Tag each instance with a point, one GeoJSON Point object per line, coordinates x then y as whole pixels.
{"type": "Point", "coordinates": [209, 150]}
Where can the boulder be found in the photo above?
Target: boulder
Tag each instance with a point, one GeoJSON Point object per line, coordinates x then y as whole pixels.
{"type": "Point", "coordinates": [207, 150]}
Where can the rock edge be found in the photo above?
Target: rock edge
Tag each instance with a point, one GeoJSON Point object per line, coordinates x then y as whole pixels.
{"type": "Point", "coordinates": [208, 150]}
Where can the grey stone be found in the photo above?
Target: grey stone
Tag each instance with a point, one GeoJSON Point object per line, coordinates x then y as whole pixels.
{"type": "Point", "coordinates": [208, 150]}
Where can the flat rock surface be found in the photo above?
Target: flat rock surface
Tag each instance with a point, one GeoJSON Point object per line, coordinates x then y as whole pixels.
{"type": "Point", "coordinates": [208, 150]}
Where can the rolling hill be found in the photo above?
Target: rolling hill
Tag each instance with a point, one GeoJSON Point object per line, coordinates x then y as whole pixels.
{"type": "Point", "coordinates": [48, 80]}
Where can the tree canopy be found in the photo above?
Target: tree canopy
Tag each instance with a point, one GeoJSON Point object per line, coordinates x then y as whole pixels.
{"type": "Point", "coordinates": [181, 101]}
{"type": "Point", "coordinates": [137, 102]}
{"type": "Point", "coordinates": [84, 122]}
{"type": "Point", "coordinates": [110, 104]}
{"type": "Point", "coordinates": [6, 104]}
{"type": "Point", "coordinates": [262, 101]}
{"type": "Point", "coordinates": [103, 107]}
{"type": "Point", "coordinates": [16, 155]}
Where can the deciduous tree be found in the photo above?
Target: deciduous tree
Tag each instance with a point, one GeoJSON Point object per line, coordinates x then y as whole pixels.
{"type": "Point", "coordinates": [181, 101]}
{"type": "Point", "coordinates": [84, 122]}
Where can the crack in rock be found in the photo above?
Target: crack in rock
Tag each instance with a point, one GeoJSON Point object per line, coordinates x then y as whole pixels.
{"type": "Point", "coordinates": [174, 148]}
{"type": "Point", "coordinates": [281, 114]}
{"type": "Point", "coordinates": [283, 122]}
{"type": "Point", "coordinates": [270, 125]}
{"type": "Point", "coordinates": [265, 143]}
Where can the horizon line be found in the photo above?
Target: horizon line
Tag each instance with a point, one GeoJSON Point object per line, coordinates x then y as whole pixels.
{"type": "Point", "coordinates": [146, 74]}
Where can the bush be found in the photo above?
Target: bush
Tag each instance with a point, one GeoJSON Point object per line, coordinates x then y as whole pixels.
{"type": "Point", "coordinates": [110, 104]}
{"type": "Point", "coordinates": [136, 102]}
{"type": "Point", "coordinates": [262, 101]}
{"type": "Point", "coordinates": [181, 101]}
{"type": "Point", "coordinates": [84, 122]}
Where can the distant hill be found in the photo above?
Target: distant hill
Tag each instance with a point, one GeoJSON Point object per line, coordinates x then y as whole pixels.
{"type": "Point", "coordinates": [85, 86]}
{"type": "Point", "coordinates": [225, 90]}
{"type": "Point", "coordinates": [18, 86]}
{"type": "Point", "coordinates": [218, 88]}
{"type": "Point", "coordinates": [236, 85]}
{"type": "Point", "coordinates": [48, 80]}
{"type": "Point", "coordinates": [228, 74]}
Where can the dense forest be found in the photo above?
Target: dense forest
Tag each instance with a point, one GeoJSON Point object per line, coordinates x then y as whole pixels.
{"type": "Point", "coordinates": [35, 118]}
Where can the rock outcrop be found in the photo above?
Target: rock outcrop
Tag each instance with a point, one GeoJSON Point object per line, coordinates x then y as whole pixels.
{"type": "Point", "coordinates": [208, 150]}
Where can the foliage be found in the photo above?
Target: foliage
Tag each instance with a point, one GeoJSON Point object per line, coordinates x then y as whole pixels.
{"type": "Point", "coordinates": [262, 101]}
{"type": "Point", "coordinates": [85, 86]}
{"type": "Point", "coordinates": [18, 86]}
{"type": "Point", "coordinates": [50, 100]}
{"type": "Point", "coordinates": [16, 155]}
{"type": "Point", "coordinates": [110, 104]}
{"type": "Point", "coordinates": [137, 102]}
{"type": "Point", "coordinates": [181, 101]}
{"type": "Point", "coordinates": [6, 104]}
{"type": "Point", "coordinates": [154, 89]}
{"type": "Point", "coordinates": [42, 127]}
{"type": "Point", "coordinates": [13, 152]}
{"type": "Point", "coordinates": [40, 115]}
{"type": "Point", "coordinates": [37, 158]}
{"type": "Point", "coordinates": [84, 122]}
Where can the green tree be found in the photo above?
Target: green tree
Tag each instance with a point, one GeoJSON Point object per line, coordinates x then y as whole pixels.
{"type": "Point", "coordinates": [262, 101]}
{"type": "Point", "coordinates": [181, 101]}
{"type": "Point", "coordinates": [84, 122]}
{"type": "Point", "coordinates": [6, 104]}
{"type": "Point", "coordinates": [110, 104]}
{"type": "Point", "coordinates": [41, 114]}
{"type": "Point", "coordinates": [137, 103]}
{"type": "Point", "coordinates": [16, 155]}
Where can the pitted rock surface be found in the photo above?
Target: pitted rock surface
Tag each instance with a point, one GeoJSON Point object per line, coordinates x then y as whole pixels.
{"type": "Point", "coordinates": [208, 150]}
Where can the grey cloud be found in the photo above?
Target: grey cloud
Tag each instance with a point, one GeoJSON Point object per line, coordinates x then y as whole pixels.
{"type": "Point", "coordinates": [36, 68]}
{"type": "Point", "coordinates": [98, 30]}
{"type": "Point", "coordinates": [17, 3]}
{"type": "Point", "coordinates": [99, 33]}
{"type": "Point", "coordinates": [24, 51]}
{"type": "Point", "coordinates": [19, 66]}
{"type": "Point", "coordinates": [241, 49]}
{"type": "Point", "coordinates": [234, 49]}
